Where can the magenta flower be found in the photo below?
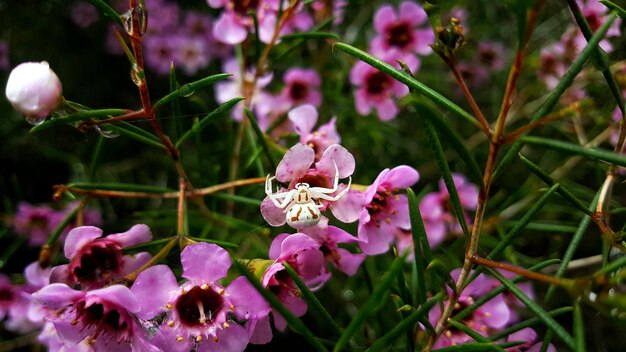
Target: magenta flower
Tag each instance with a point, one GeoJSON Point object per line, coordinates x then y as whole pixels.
{"type": "Point", "coordinates": [376, 90]}
{"type": "Point", "coordinates": [160, 52]}
{"type": "Point", "coordinates": [96, 261]}
{"type": "Point", "coordinates": [192, 54]}
{"type": "Point", "coordinates": [105, 318]}
{"type": "Point", "coordinates": [15, 301]}
{"type": "Point", "coordinates": [529, 336]}
{"type": "Point", "coordinates": [436, 209]}
{"type": "Point", "coordinates": [491, 55]}
{"type": "Point", "coordinates": [329, 238]}
{"type": "Point", "coordinates": [200, 313]}
{"type": "Point", "coordinates": [303, 119]}
{"type": "Point", "coordinates": [262, 101]}
{"type": "Point", "coordinates": [384, 210]}
{"type": "Point", "coordinates": [490, 317]}
{"type": "Point", "coordinates": [233, 24]}
{"type": "Point", "coordinates": [303, 254]}
{"type": "Point", "coordinates": [301, 87]}
{"type": "Point", "coordinates": [406, 31]}
{"type": "Point", "coordinates": [299, 166]}
{"type": "Point", "coordinates": [37, 222]}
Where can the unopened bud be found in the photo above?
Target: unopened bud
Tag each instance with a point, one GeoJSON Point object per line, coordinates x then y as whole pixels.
{"type": "Point", "coordinates": [34, 90]}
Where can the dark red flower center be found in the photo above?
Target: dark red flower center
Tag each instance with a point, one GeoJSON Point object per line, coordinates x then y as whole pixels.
{"type": "Point", "coordinates": [38, 221]}
{"type": "Point", "coordinates": [111, 321]}
{"type": "Point", "coordinates": [377, 82]}
{"type": "Point", "coordinates": [199, 306]}
{"type": "Point", "coordinates": [243, 6]}
{"type": "Point", "coordinates": [6, 294]}
{"type": "Point", "coordinates": [399, 35]}
{"type": "Point", "coordinates": [315, 180]}
{"type": "Point", "coordinates": [299, 90]}
{"type": "Point", "coordinates": [97, 264]}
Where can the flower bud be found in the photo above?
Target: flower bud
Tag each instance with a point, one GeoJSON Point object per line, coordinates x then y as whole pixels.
{"type": "Point", "coordinates": [34, 90]}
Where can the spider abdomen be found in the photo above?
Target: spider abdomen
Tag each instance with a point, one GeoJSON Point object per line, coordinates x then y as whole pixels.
{"type": "Point", "coordinates": [303, 215]}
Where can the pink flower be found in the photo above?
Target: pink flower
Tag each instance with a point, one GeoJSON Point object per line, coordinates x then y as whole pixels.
{"type": "Point", "coordinates": [83, 14]}
{"type": "Point", "coordinates": [96, 261]}
{"type": "Point", "coordinates": [385, 210]}
{"type": "Point", "coordinates": [529, 336]}
{"type": "Point", "coordinates": [15, 301]}
{"type": "Point", "coordinates": [262, 102]}
{"type": "Point", "coordinates": [303, 119]}
{"type": "Point", "coordinates": [490, 55]}
{"type": "Point", "coordinates": [489, 317]}
{"type": "Point", "coordinates": [34, 90]}
{"type": "Point", "coordinates": [199, 313]}
{"type": "Point", "coordinates": [303, 254]}
{"type": "Point", "coordinates": [105, 318]}
{"type": "Point", "coordinates": [192, 54]}
{"type": "Point", "coordinates": [301, 87]}
{"type": "Point", "coordinates": [329, 238]}
{"type": "Point", "coordinates": [37, 222]}
{"type": "Point", "coordinates": [401, 31]}
{"type": "Point", "coordinates": [299, 166]}
{"type": "Point", "coordinates": [437, 212]}
{"type": "Point", "coordinates": [376, 89]}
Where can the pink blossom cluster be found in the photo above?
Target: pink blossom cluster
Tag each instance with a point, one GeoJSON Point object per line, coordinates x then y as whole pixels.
{"type": "Point", "coordinates": [493, 316]}
{"type": "Point", "coordinates": [555, 59]}
{"type": "Point", "coordinates": [489, 58]}
{"type": "Point", "coordinates": [37, 222]}
{"type": "Point", "coordinates": [401, 34]}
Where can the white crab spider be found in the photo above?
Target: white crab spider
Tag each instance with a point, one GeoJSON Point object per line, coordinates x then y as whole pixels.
{"type": "Point", "coordinates": [300, 204]}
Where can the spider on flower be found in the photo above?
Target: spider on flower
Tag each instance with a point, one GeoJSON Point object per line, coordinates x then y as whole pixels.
{"type": "Point", "coordinates": [300, 204]}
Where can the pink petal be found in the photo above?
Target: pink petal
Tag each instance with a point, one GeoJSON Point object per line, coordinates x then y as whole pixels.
{"type": "Point", "coordinates": [295, 163]}
{"type": "Point", "coordinates": [36, 275]}
{"type": "Point", "coordinates": [134, 262]}
{"type": "Point", "coordinates": [57, 296]}
{"type": "Point", "coordinates": [261, 331]}
{"type": "Point", "coordinates": [119, 295]}
{"type": "Point", "coordinates": [342, 157]}
{"type": "Point", "coordinates": [272, 214]}
{"type": "Point", "coordinates": [499, 312]}
{"type": "Point", "coordinates": [374, 239]}
{"type": "Point", "coordinates": [78, 237]}
{"type": "Point", "coordinates": [247, 300]}
{"type": "Point", "coordinates": [349, 262]}
{"type": "Point", "coordinates": [303, 118]}
{"type": "Point", "coordinates": [435, 232]}
{"type": "Point", "coordinates": [358, 73]}
{"type": "Point", "coordinates": [204, 262]}
{"type": "Point", "coordinates": [275, 247]}
{"type": "Point", "coordinates": [384, 16]}
{"type": "Point", "coordinates": [137, 234]}
{"type": "Point", "coordinates": [424, 38]}
{"type": "Point", "coordinates": [227, 30]}
{"type": "Point", "coordinates": [413, 13]}
{"type": "Point", "coordinates": [362, 102]}
{"type": "Point", "coordinates": [153, 288]}
{"type": "Point", "coordinates": [348, 208]}
{"type": "Point", "coordinates": [401, 177]}
{"type": "Point", "coordinates": [386, 109]}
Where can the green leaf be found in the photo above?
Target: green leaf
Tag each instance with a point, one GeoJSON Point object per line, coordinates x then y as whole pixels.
{"type": "Point", "coordinates": [457, 142]}
{"type": "Point", "coordinates": [407, 79]}
{"type": "Point", "coordinates": [573, 245]}
{"type": "Point", "coordinates": [421, 248]}
{"type": "Point", "coordinates": [527, 323]}
{"type": "Point", "coordinates": [312, 301]}
{"type": "Point", "coordinates": [615, 8]}
{"type": "Point", "coordinates": [54, 236]}
{"type": "Point", "coordinates": [520, 8]}
{"type": "Point", "coordinates": [591, 153]}
{"type": "Point", "coordinates": [291, 319]}
{"type": "Point", "coordinates": [372, 303]}
{"type": "Point", "coordinates": [600, 57]}
{"type": "Point", "coordinates": [579, 328]}
{"type": "Point", "coordinates": [310, 35]}
{"type": "Point", "coordinates": [564, 192]}
{"type": "Point", "coordinates": [406, 324]}
{"type": "Point", "coordinates": [221, 110]}
{"type": "Point", "coordinates": [217, 242]}
{"type": "Point", "coordinates": [124, 187]}
{"type": "Point", "coordinates": [435, 145]}
{"type": "Point", "coordinates": [107, 11]}
{"type": "Point", "coordinates": [517, 230]}
{"type": "Point", "coordinates": [175, 102]}
{"type": "Point", "coordinates": [77, 117]}
{"type": "Point", "coordinates": [135, 133]}
{"type": "Point", "coordinates": [535, 308]}
{"type": "Point", "coordinates": [563, 84]}
{"type": "Point", "coordinates": [188, 89]}
{"type": "Point", "coordinates": [261, 137]}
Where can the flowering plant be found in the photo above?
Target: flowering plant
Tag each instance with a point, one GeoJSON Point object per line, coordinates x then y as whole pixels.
{"type": "Point", "coordinates": [341, 175]}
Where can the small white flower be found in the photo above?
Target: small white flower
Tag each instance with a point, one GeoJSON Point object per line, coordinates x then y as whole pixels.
{"type": "Point", "coordinates": [34, 90]}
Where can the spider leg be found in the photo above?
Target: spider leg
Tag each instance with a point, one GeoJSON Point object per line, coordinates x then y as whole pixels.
{"type": "Point", "coordinates": [318, 195]}
{"type": "Point", "coordinates": [335, 183]}
{"type": "Point", "coordinates": [287, 195]}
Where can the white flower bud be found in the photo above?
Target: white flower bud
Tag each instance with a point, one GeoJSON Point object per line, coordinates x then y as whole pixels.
{"type": "Point", "coordinates": [34, 90]}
